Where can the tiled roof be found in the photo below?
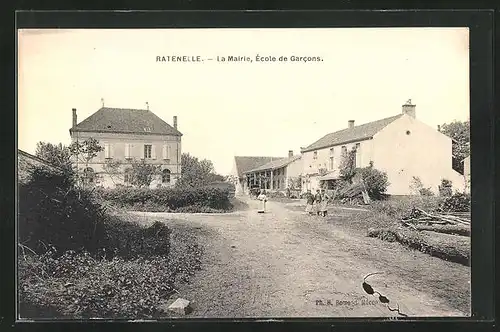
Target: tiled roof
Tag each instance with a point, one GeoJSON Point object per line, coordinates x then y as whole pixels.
{"type": "Point", "coordinates": [275, 164]}
{"type": "Point", "coordinates": [124, 120]}
{"type": "Point", "coordinates": [357, 133]}
{"type": "Point", "coordinates": [244, 164]}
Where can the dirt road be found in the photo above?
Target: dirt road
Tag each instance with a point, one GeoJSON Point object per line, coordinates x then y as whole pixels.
{"type": "Point", "coordinates": [285, 264]}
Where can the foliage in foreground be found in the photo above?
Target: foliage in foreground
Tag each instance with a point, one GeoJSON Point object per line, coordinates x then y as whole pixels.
{"type": "Point", "coordinates": [78, 285]}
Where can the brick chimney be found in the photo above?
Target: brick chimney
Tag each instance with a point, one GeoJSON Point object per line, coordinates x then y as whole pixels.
{"type": "Point", "coordinates": [409, 109]}
{"type": "Point", "coordinates": [74, 118]}
{"type": "Point", "coordinates": [350, 124]}
{"type": "Point", "coordinates": [290, 153]}
{"type": "Point", "coordinates": [175, 121]}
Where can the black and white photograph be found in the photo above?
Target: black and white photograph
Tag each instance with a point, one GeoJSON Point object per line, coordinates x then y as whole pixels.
{"type": "Point", "coordinates": [243, 173]}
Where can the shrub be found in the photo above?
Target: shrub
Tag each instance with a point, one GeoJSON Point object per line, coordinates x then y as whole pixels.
{"type": "Point", "coordinates": [458, 202]}
{"type": "Point", "coordinates": [168, 199]}
{"type": "Point", "coordinates": [275, 194]}
{"type": "Point", "coordinates": [376, 181]}
{"type": "Point", "coordinates": [52, 211]}
{"type": "Point", "coordinates": [417, 187]}
{"type": "Point", "coordinates": [445, 188]}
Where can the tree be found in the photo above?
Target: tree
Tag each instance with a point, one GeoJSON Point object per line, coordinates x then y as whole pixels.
{"type": "Point", "coordinates": [347, 165]}
{"type": "Point", "coordinates": [460, 132]}
{"type": "Point", "coordinates": [83, 152]}
{"type": "Point", "coordinates": [112, 169]}
{"type": "Point", "coordinates": [56, 154]}
{"type": "Point", "coordinates": [196, 173]}
{"type": "Point", "coordinates": [143, 173]}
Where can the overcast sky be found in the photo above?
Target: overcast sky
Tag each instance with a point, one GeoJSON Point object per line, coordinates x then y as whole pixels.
{"type": "Point", "coordinates": [228, 109]}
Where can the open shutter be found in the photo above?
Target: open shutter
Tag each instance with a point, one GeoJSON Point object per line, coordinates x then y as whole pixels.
{"type": "Point", "coordinates": [164, 152]}
{"type": "Point", "coordinates": [169, 151]}
{"type": "Point", "coordinates": [106, 151]}
{"type": "Point", "coordinates": [127, 150]}
{"type": "Point", "coordinates": [153, 152]}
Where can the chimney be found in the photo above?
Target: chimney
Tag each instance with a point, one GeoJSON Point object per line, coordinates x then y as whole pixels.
{"type": "Point", "coordinates": [74, 118]}
{"type": "Point", "coordinates": [290, 153]}
{"type": "Point", "coordinates": [409, 109]}
{"type": "Point", "coordinates": [350, 124]}
{"type": "Point", "coordinates": [175, 121]}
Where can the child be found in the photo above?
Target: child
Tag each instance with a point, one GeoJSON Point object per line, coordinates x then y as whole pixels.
{"type": "Point", "coordinates": [317, 201]}
{"type": "Point", "coordinates": [323, 209]}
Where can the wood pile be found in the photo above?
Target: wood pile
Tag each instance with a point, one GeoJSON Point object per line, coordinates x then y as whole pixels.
{"type": "Point", "coordinates": [419, 217]}
{"type": "Point", "coordinates": [355, 192]}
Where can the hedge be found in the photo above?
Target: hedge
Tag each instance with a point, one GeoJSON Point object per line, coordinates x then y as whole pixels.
{"type": "Point", "coordinates": [204, 199]}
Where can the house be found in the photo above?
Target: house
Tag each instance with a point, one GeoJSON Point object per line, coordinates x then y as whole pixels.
{"type": "Point", "coordinates": [277, 174]}
{"type": "Point", "coordinates": [400, 145]}
{"type": "Point", "coordinates": [129, 135]}
{"type": "Point", "coordinates": [243, 164]}
{"type": "Point", "coordinates": [26, 161]}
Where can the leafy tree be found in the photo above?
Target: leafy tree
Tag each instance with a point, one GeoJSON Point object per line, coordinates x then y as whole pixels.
{"type": "Point", "coordinates": [113, 169]}
{"type": "Point", "coordinates": [375, 181]}
{"type": "Point", "coordinates": [143, 173]}
{"type": "Point", "coordinates": [83, 152]}
{"type": "Point", "coordinates": [56, 154]}
{"type": "Point", "coordinates": [347, 165]}
{"type": "Point", "coordinates": [460, 132]}
{"type": "Point", "coordinates": [196, 172]}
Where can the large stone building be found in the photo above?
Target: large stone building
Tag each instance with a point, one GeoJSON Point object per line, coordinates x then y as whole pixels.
{"type": "Point", "coordinates": [26, 161]}
{"type": "Point", "coordinates": [127, 136]}
{"type": "Point", "coordinates": [401, 145]}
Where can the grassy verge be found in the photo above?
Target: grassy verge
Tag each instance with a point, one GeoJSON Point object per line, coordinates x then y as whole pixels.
{"type": "Point", "coordinates": [80, 285]}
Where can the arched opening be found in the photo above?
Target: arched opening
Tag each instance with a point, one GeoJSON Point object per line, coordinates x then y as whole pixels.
{"type": "Point", "coordinates": [165, 176]}
{"type": "Point", "coordinates": [89, 175]}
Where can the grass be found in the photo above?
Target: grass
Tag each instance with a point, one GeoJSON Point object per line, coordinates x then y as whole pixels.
{"type": "Point", "coordinates": [78, 285]}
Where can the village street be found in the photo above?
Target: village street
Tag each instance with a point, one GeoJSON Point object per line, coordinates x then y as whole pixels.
{"type": "Point", "coordinates": [284, 263]}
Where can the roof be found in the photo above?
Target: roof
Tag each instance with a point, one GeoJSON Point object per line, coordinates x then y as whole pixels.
{"type": "Point", "coordinates": [245, 163]}
{"type": "Point", "coordinates": [332, 175]}
{"type": "Point", "coordinates": [274, 164]}
{"type": "Point", "coordinates": [31, 157]}
{"type": "Point", "coordinates": [125, 120]}
{"type": "Point", "coordinates": [357, 133]}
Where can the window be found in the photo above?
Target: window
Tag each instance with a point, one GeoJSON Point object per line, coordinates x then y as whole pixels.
{"type": "Point", "coordinates": [147, 151]}
{"type": "Point", "coordinates": [331, 151]}
{"type": "Point", "coordinates": [127, 176]}
{"type": "Point", "coordinates": [166, 152]}
{"type": "Point", "coordinates": [357, 159]}
{"type": "Point", "coordinates": [315, 155]}
{"type": "Point", "coordinates": [344, 149]}
{"type": "Point", "coordinates": [165, 176]}
{"type": "Point", "coordinates": [331, 163]}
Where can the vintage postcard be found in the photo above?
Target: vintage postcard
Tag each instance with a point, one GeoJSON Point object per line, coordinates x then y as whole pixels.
{"type": "Point", "coordinates": [243, 173]}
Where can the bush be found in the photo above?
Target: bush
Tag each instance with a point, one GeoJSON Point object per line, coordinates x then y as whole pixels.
{"type": "Point", "coordinates": [458, 202]}
{"type": "Point", "coordinates": [54, 212]}
{"type": "Point", "coordinates": [275, 194]}
{"type": "Point", "coordinates": [445, 188]}
{"type": "Point", "coordinates": [168, 199]}
{"type": "Point", "coordinates": [376, 181]}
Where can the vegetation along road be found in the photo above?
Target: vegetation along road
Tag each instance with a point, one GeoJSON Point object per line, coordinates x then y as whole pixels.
{"type": "Point", "coordinates": [286, 264]}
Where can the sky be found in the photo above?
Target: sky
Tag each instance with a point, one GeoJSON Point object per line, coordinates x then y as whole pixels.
{"type": "Point", "coordinates": [228, 109]}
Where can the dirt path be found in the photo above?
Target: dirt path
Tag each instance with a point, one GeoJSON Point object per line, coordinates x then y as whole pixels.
{"type": "Point", "coordinates": [283, 263]}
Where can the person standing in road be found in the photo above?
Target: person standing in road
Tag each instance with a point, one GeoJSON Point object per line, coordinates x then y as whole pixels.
{"type": "Point", "coordinates": [324, 203]}
{"type": "Point", "coordinates": [263, 198]}
{"type": "Point", "coordinates": [309, 202]}
{"type": "Point", "coordinates": [317, 202]}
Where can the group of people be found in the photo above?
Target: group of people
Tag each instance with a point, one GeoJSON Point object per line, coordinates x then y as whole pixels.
{"type": "Point", "coordinates": [317, 204]}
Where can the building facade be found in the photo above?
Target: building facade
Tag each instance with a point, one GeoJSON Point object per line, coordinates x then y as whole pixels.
{"type": "Point", "coordinates": [402, 146]}
{"type": "Point", "coordinates": [276, 175]}
{"type": "Point", "coordinates": [128, 136]}
{"type": "Point", "coordinates": [241, 165]}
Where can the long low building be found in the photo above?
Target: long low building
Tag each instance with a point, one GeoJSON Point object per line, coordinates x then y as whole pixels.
{"type": "Point", "coordinates": [275, 175]}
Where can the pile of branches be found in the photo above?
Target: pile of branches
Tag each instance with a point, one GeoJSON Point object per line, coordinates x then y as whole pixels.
{"type": "Point", "coordinates": [354, 194]}
{"type": "Point", "coordinates": [450, 223]}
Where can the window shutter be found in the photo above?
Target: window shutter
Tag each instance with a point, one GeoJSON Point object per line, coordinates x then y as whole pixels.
{"type": "Point", "coordinates": [106, 151]}
{"type": "Point", "coordinates": [165, 151]}
{"type": "Point", "coordinates": [127, 150]}
{"type": "Point", "coordinates": [153, 152]}
{"type": "Point", "coordinates": [169, 148]}
{"type": "Point", "coordinates": [111, 151]}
